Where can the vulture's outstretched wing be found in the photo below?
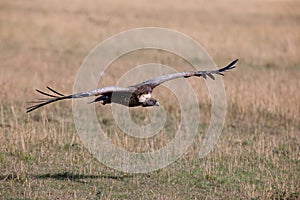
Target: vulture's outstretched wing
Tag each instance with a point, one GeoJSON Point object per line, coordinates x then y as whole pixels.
{"type": "Point", "coordinates": [58, 96]}
{"type": "Point", "coordinates": [152, 83]}
{"type": "Point", "coordinates": [161, 79]}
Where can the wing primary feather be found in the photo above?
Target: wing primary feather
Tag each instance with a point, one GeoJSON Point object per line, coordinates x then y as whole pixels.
{"type": "Point", "coordinates": [49, 88]}
{"type": "Point", "coordinates": [45, 102]}
{"type": "Point", "coordinates": [37, 101]}
{"type": "Point", "coordinates": [230, 66]}
{"type": "Point", "coordinates": [211, 76]}
{"type": "Point", "coordinates": [44, 93]}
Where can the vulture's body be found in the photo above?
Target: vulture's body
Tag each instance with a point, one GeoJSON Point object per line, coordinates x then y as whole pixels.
{"type": "Point", "coordinates": [132, 96]}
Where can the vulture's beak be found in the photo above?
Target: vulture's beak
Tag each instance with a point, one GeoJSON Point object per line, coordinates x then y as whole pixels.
{"type": "Point", "coordinates": [157, 104]}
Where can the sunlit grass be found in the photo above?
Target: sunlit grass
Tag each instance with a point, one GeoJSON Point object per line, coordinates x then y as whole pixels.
{"type": "Point", "coordinates": [258, 153]}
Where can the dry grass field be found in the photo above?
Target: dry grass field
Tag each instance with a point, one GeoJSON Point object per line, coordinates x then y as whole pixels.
{"type": "Point", "coordinates": [256, 157]}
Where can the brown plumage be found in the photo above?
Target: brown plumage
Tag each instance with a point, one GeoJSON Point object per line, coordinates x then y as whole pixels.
{"type": "Point", "coordinates": [135, 95]}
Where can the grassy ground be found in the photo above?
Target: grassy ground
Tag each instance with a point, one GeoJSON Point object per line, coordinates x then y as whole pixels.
{"type": "Point", "coordinates": [258, 153]}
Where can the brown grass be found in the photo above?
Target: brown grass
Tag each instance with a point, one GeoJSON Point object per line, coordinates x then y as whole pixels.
{"type": "Point", "coordinates": [258, 154]}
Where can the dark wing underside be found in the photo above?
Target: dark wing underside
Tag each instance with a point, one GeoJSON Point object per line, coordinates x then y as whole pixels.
{"type": "Point", "coordinates": [161, 79]}
{"type": "Point", "coordinates": [58, 96]}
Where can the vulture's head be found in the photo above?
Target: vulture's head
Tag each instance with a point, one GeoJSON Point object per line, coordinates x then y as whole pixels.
{"type": "Point", "coordinates": [150, 102]}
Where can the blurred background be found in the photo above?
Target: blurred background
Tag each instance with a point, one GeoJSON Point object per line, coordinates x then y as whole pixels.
{"type": "Point", "coordinates": [44, 43]}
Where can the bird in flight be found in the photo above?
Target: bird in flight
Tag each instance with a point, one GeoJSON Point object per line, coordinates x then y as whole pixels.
{"type": "Point", "coordinates": [131, 96]}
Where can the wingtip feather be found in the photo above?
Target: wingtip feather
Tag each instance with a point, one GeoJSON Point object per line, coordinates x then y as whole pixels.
{"type": "Point", "coordinates": [233, 62]}
{"type": "Point", "coordinates": [211, 76]}
{"type": "Point", "coordinates": [54, 91]}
